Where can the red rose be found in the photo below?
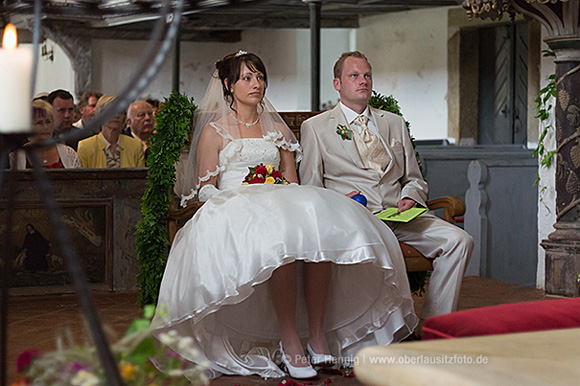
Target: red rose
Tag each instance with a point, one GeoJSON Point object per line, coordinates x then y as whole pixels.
{"type": "Point", "coordinates": [25, 359]}
{"type": "Point", "coordinates": [262, 170]}
{"type": "Point", "coordinates": [257, 180]}
{"type": "Point", "coordinates": [277, 174]}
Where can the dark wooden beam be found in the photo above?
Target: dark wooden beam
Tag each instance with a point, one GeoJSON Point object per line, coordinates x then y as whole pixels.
{"type": "Point", "coordinates": [215, 20]}
{"type": "Point", "coordinates": [144, 33]}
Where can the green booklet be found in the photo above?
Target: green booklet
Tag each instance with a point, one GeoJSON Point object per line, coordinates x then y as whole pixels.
{"type": "Point", "coordinates": [391, 214]}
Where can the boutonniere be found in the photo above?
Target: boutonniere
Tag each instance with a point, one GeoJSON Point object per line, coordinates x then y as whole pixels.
{"type": "Point", "coordinates": [344, 132]}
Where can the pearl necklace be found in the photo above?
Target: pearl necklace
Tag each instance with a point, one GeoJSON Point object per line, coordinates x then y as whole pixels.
{"type": "Point", "coordinates": [246, 123]}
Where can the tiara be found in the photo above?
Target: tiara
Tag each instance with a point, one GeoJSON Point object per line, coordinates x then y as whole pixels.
{"type": "Point", "coordinates": [241, 52]}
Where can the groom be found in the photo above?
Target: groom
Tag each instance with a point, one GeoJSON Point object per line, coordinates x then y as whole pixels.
{"type": "Point", "coordinates": [356, 148]}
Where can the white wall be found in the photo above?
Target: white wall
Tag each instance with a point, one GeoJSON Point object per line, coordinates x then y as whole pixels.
{"type": "Point", "coordinates": [333, 42]}
{"type": "Point", "coordinates": [408, 52]}
{"type": "Point", "coordinates": [416, 75]}
{"type": "Point", "coordinates": [547, 184]}
{"type": "Point", "coordinates": [286, 54]}
{"type": "Point", "coordinates": [55, 74]}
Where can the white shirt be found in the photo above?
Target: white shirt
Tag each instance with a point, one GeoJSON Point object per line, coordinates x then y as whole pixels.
{"type": "Point", "coordinates": [108, 144]}
{"type": "Point", "coordinates": [351, 116]}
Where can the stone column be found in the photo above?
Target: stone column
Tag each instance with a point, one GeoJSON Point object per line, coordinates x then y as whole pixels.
{"type": "Point", "coordinates": [561, 20]}
{"type": "Point", "coordinates": [563, 245]}
{"type": "Point", "coordinates": [78, 49]}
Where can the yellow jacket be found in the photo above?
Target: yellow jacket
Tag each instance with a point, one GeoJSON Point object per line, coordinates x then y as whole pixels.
{"type": "Point", "coordinates": [91, 152]}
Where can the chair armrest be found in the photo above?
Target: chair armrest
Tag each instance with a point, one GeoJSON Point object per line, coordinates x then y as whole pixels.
{"type": "Point", "coordinates": [452, 207]}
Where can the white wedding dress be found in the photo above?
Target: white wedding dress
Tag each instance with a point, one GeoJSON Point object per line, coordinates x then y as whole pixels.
{"type": "Point", "coordinates": [215, 286]}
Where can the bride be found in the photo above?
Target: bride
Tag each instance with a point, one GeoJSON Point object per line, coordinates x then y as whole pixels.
{"type": "Point", "coordinates": [263, 269]}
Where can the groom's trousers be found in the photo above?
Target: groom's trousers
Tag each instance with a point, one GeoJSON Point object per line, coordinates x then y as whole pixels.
{"type": "Point", "coordinates": [451, 249]}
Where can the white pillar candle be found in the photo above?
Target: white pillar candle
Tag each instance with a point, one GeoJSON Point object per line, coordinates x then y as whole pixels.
{"type": "Point", "coordinates": [15, 78]}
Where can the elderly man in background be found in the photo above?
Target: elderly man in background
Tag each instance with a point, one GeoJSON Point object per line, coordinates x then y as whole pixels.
{"type": "Point", "coordinates": [140, 122]}
{"type": "Point", "coordinates": [87, 106]}
{"type": "Point", "coordinates": [110, 149]}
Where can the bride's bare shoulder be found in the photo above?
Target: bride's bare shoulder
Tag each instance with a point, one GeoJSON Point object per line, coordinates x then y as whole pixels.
{"type": "Point", "coordinates": [210, 134]}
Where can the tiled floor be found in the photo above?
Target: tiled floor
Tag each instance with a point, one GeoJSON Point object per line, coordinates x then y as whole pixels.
{"type": "Point", "coordinates": [34, 322]}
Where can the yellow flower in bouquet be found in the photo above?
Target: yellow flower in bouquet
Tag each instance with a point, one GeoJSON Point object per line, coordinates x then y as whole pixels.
{"type": "Point", "coordinates": [261, 174]}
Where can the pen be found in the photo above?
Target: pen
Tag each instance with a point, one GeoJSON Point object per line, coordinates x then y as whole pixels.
{"type": "Point", "coordinates": [393, 215]}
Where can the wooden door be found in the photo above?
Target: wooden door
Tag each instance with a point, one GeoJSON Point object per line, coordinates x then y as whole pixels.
{"type": "Point", "coordinates": [503, 84]}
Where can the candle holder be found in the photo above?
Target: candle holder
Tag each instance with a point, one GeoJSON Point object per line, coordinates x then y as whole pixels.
{"type": "Point", "coordinates": [160, 44]}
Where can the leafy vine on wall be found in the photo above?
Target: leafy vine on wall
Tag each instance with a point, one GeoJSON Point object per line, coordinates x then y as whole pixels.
{"type": "Point", "coordinates": [545, 109]}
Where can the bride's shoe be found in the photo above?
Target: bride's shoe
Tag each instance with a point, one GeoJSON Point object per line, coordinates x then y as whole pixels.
{"type": "Point", "coordinates": [323, 360]}
{"type": "Point", "coordinates": [297, 372]}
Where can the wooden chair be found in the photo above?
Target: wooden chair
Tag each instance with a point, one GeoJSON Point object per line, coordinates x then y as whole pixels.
{"type": "Point", "coordinates": [452, 207]}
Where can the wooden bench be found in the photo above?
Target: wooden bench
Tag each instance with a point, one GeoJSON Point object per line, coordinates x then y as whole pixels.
{"type": "Point", "coordinates": [414, 261]}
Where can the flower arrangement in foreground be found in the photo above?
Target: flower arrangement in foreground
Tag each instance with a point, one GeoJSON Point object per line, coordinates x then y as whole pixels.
{"type": "Point", "coordinates": [141, 358]}
{"type": "Point", "coordinates": [264, 174]}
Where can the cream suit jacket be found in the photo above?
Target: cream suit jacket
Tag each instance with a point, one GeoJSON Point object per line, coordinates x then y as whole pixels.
{"type": "Point", "coordinates": [92, 152]}
{"type": "Point", "coordinates": [334, 163]}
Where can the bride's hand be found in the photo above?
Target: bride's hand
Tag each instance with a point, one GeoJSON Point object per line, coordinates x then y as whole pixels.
{"type": "Point", "coordinates": [353, 193]}
{"type": "Point", "coordinates": [206, 192]}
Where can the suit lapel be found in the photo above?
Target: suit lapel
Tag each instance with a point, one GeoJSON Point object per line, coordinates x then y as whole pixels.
{"type": "Point", "coordinates": [337, 118]}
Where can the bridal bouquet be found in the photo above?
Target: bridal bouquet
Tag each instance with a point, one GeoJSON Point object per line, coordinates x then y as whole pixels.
{"type": "Point", "coordinates": [264, 174]}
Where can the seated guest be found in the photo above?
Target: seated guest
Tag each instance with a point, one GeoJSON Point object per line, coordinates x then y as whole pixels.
{"type": "Point", "coordinates": [140, 120]}
{"type": "Point", "coordinates": [87, 106]}
{"type": "Point", "coordinates": [56, 156]}
{"type": "Point", "coordinates": [64, 115]}
{"type": "Point", "coordinates": [110, 148]}
{"type": "Point", "coordinates": [63, 106]}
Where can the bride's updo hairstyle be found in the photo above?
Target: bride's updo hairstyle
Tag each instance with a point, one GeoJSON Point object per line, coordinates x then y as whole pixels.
{"type": "Point", "coordinates": [229, 69]}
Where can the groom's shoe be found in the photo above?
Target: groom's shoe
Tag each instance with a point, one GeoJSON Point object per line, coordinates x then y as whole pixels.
{"type": "Point", "coordinates": [323, 360]}
{"type": "Point", "coordinates": [297, 372]}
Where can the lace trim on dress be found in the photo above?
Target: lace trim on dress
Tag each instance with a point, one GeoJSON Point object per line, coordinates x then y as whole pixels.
{"type": "Point", "coordinates": [278, 139]}
{"type": "Point", "coordinates": [207, 176]}
{"type": "Point", "coordinates": [222, 131]}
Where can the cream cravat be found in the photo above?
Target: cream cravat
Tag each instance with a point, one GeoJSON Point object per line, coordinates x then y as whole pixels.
{"type": "Point", "coordinates": [370, 147]}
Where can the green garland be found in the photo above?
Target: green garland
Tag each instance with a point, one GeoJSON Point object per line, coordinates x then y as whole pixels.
{"type": "Point", "coordinates": [172, 131]}
{"type": "Point", "coordinates": [417, 280]}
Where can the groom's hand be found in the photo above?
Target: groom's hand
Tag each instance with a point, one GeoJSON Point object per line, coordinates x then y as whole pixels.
{"type": "Point", "coordinates": [406, 203]}
{"type": "Point", "coordinates": [353, 193]}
